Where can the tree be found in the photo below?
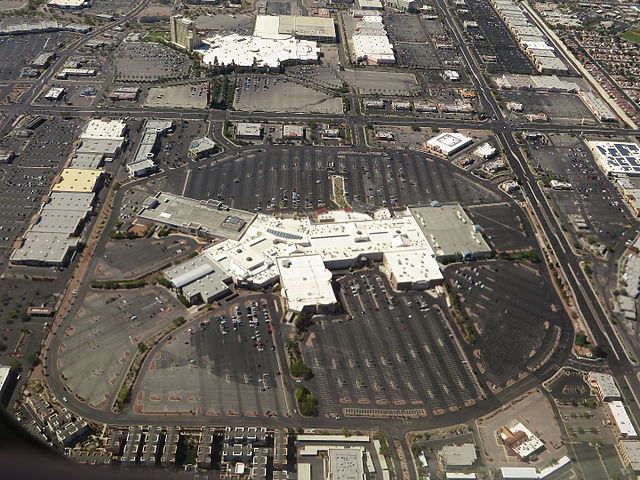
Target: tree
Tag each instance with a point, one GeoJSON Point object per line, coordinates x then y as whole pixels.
{"type": "Point", "coordinates": [300, 370]}
{"type": "Point", "coordinates": [581, 339]}
{"type": "Point", "coordinates": [34, 359]}
{"type": "Point", "coordinates": [142, 347]}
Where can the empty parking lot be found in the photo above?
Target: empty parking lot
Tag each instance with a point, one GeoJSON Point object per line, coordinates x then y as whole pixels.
{"type": "Point", "coordinates": [516, 314]}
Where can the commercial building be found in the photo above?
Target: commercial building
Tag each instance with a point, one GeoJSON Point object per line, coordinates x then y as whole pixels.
{"type": "Point", "coordinates": [69, 4]}
{"type": "Point", "coordinates": [249, 130]}
{"type": "Point", "coordinates": [616, 158]}
{"type": "Point", "coordinates": [485, 151]}
{"type": "Point", "coordinates": [401, 5]}
{"type": "Point", "coordinates": [78, 180]}
{"type": "Point", "coordinates": [345, 464]}
{"type": "Point", "coordinates": [183, 33]}
{"type": "Point", "coordinates": [42, 60]}
{"type": "Point", "coordinates": [201, 147]}
{"type": "Point", "coordinates": [293, 132]}
{"type": "Point", "coordinates": [301, 252]}
{"type": "Point", "coordinates": [142, 162]}
{"type": "Point", "coordinates": [5, 382]}
{"type": "Point", "coordinates": [371, 43]}
{"type": "Point", "coordinates": [105, 129]}
{"type": "Point", "coordinates": [306, 283]}
{"type": "Point", "coordinates": [620, 419]}
{"type": "Point", "coordinates": [91, 161]}
{"type": "Point", "coordinates": [448, 144]}
{"type": "Point", "coordinates": [370, 4]}
{"type": "Point", "coordinates": [44, 249]}
{"type": "Point", "coordinates": [320, 29]}
{"type": "Point", "coordinates": [199, 279]}
{"type": "Point", "coordinates": [256, 51]}
{"type": "Point", "coordinates": [125, 93]}
{"type": "Point", "coordinates": [539, 83]}
{"type": "Point", "coordinates": [457, 455]}
{"type": "Point", "coordinates": [55, 93]}
{"type": "Point", "coordinates": [519, 439]}
{"type": "Point", "coordinates": [629, 451]}
{"type": "Point", "coordinates": [604, 386]}
{"type": "Point", "coordinates": [598, 107]}
{"type": "Point", "coordinates": [203, 218]}
{"type": "Point", "coordinates": [76, 72]}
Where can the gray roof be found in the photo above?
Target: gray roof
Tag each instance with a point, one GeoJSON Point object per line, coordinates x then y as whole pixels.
{"type": "Point", "coordinates": [461, 455]}
{"type": "Point", "coordinates": [189, 271]}
{"type": "Point", "coordinates": [100, 145]}
{"type": "Point", "coordinates": [199, 275]}
{"type": "Point", "coordinates": [70, 201]}
{"type": "Point", "coordinates": [449, 231]}
{"type": "Point", "coordinates": [206, 217]}
{"type": "Point", "coordinates": [58, 221]}
{"type": "Point", "coordinates": [47, 248]}
{"type": "Point", "coordinates": [91, 161]}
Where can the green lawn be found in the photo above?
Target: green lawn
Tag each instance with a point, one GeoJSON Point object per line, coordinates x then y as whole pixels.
{"type": "Point", "coordinates": [156, 37]}
{"type": "Point", "coordinates": [632, 35]}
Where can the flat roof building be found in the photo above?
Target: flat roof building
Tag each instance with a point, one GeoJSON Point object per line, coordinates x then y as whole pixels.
{"type": "Point", "coordinates": [520, 440]}
{"type": "Point", "coordinates": [370, 4]}
{"type": "Point", "coordinates": [457, 455]}
{"type": "Point", "coordinates": [620, 418]}
{"type": "Point", "coordinates": [201, 147]}
{"type": "Point", "coordinates": [450, 232]}
{"type": "Point", "coordinates": [248, 130]}
{"type": "Point", "coordinates": [78, 180]}
{"type": "Point", "coordinates": [616, 158]}
{"type": "Point", "coordinates": [200, 279]}
{"type": "Point", "coordinates": [104, 129]}
{"type": "Point", "coordinates": [207, 218]}
{"type": "Point", "coordinates": [256, 51]}
{"type": "Point", "coordinates": [345, 464]}
{"type": "Point", "coordinates": [45, 249]}
{"type": "Point", "coordinates": [629, 451]}
{"type": "Point", "coordinates": [69, 4]}
{"type": "Point", "coordinates": [604, 385]}
{"type": "Point", "coordinates": [55, 93]}
{"type": "Point", "coordinates": [306, 283]}
{"type": "Point", "coordinates": [448, 144]}
{"type": "Point", "coordinates": [320, 29]}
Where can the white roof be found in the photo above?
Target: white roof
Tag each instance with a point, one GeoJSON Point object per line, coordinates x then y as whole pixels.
{"type": "Point", "coordinates": [485, 150]}
{"type": "Point", "coordinates": [305, 281]}
{"type": "Point", "coordinates": [66, 3]}
{"type": "Point", "coordinates": [376, 48]}
{"type": "Point", "coordinates": [346, 464]}
{"type": "Point", "coordinates": [449, 143]}
{"type": "Point", "coordinates": [101, 129]}
{"type": "Point", "coordinates": [617, 157]}
{"type": "Point", "coordinates": [531, 445]}
{"type": "Point", "coordinates": [376, 4]}
{"type": "Point", "coordinates": [247, 51]}
{"type": "Point", "coordinates": [415, 266]}
{"type": "Point", "coordinates": [621, 419]}
{"type": "Point", "coordinates": [519, 473]}
{"type": "Point", "coordinates": [4, 376]}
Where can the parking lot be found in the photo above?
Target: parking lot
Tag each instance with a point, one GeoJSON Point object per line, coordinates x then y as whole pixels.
{"type": "Point", "coordinates": [123, 259]}
{"type": "Point", "coordinates": [504, 226]}
{"type": "Point", "coordinates": [492, 38]}
{"type": "Point", "coordinates": [406, 358]}
{"type": "Point", "coordinates": [263, 93]}
{"type": "Point", "coordinates": [266, 179]}
{"type": "Point", "coordinates": [177, 96]}
{"type": "Point", "coordinates": [387, 83]}
{"type": "Point", "coordinates": [593, 197]}
{"type": "Point", "coordinates": [17, 52]}
{"type": "Point", "coordinates": [94, 348]}
{"type": "Point", "coordinates": [222, 364]}
{"type": "Point", "coordinates": [147, 61]}
{"type": "Point", "coordinates": [562, 108]}
{"type": "Point", "coordinates": [411, 42]}
{"type": "Point", "coordinates": [517, 316]}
